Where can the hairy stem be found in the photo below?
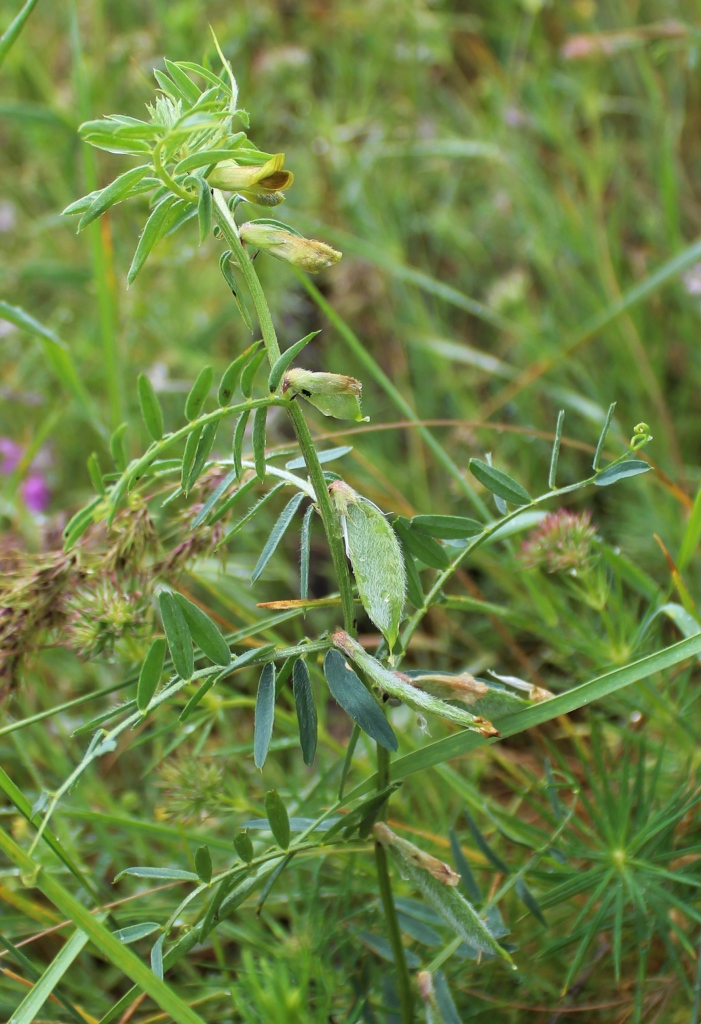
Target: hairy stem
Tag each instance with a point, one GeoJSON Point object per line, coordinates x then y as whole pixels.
{"type": "Point", "coordinates": [406, 997]}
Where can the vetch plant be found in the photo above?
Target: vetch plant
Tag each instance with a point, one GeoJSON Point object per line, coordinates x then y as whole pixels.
{"type": "Point", "coordinates": [197, 162]}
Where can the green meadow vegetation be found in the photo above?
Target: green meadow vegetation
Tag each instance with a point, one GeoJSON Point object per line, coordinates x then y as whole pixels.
{"type": "Point", "coordinates": [350, 509]}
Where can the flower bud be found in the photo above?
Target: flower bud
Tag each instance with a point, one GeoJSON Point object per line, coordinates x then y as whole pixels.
{"type": "Point", "coordinates": [334, 394]}
{"type": "Point", "coordinates": [306, 253]}
{"type": "Point", "coordinates": [262, 184]}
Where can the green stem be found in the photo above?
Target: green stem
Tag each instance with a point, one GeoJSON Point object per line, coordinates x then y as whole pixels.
{"type": "Point", "coordinates": [227, 225]}
{"type": "Point", "coordinates": [330, 519]}
{"type": "Point", "coordinates": [406, 997]}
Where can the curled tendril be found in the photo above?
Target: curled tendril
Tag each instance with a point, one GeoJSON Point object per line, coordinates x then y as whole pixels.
{"type": "Point", "coordinates": [641, 436]}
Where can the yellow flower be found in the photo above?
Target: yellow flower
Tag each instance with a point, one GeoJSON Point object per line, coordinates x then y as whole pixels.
{"type": "Point", "coordinates": [262, 184]}
{"type": "Point", "coordinates": [306, 253]}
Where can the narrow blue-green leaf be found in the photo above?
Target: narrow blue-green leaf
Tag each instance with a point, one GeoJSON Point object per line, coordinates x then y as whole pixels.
{"type": "Point", "coordinates": [204, 632]}
{"type": "Point", "coordinates": [244, 846]}
{"type": "Point", "coordinates": [330, 455]}
{"type": "Point", "coordinates": [232, 374]}
{"type": "Point", "coordinates": [233, 499]}
{"type": "Point", "coordinates": [150, 674]}
{"type": "Point", "coordinates": [692, 534]}
{"type": "Point", "coordinates": [214, 497]}
{"type": "Point", "coordinates": [177, 635]}
{"type": "Point", "coordinates": [134, 932]}
{"type": "Point", "coordinates": [114, 193]}
{"type": "Point", "coordinates": [447, 527]}
{"type": "Point", "coordinates": [632, 467]}
{"type": "Point", "coordinates": [483, 846]}
{"type": "Point", "coordinates": [150, 407]}
{"type": "Point", "coordinates": [165, 874]}
{"type": "Point", "coordinates": [237, 446]}
{"type": "Point", "coordinates": [552, 475]}
{"type": "Point", "coordinates": [347, 689]}
{"type": "Point", "coordinates": [197, 697]}
{"type": "Point", "coordinates": [189, 456]}
{"type": "Point", "coordinates": [204, 448]}
{"type": "Point", "coordinates": [277, 818]}
{"type": "Point", "coordinates": [249, 373]}
{"type": "Point", "coordinates": [419, 543]}
{"type": "Point", "coordinates": [529, 901]}
{"type": "Point", "coordinates": [158, 224]}
{"type": "Point", "coordinates": [499, 483]}
{"type": "Point", "coordinates": [277, 533]}
{"type": "Point", "coordinates": [306, 710]}
{"type": "Point", "coordinates": [444, 999]}
{"type": "Point", "coordinates": [304, 553]}
{"type": "Point", "coordinates": [264, 715]}
{"type": "Point", "coordinates": [157, 957]}
{"type": "Point", "coordinates": [281, 364]}
{"type": "Point", "coordinates": [602, 437]}
{"type": "Point", "coordinates": [258, 439]}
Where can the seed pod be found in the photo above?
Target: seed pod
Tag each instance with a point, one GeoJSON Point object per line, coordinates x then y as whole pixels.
{"type": "Point", "coordinates": [376, 558]}
{"type": "Point", "coordinates": [334, 394]}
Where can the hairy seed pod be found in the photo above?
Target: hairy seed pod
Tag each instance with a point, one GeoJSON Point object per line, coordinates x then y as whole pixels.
{"type": "Point", "coordinates": [334, 394]}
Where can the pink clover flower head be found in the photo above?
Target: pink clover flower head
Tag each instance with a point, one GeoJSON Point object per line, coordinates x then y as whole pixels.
{"type": "Point", "coordinates": [562, 542]}
{"type": "Point", "coordinates": [35, 489]}
{"type": "Point", "coordinates": [10, 454]}
{"type": "Point", "coordinates": [36, 493]}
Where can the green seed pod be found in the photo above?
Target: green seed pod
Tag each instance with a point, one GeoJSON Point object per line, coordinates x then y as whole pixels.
{"type": "Point", "coordinates": [198, 393]}
{"type": "Point", "coordinates": [334, 394]}
{"type": "Point", "coordinates": [376, 558]}
{"type": "Point", "coordinates": [150, 407]}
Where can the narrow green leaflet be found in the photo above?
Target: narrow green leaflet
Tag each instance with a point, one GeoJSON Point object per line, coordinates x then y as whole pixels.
{"type": "Point", "coordinates": [278, 819]}
{"type": "Point", "coordinates": [499, 483]}
{"type": "Point", "coordinates": [237, 446]}
{"type": "Point", "coordinates": [249, 373]}
{"type": "Point", "coordinates": [554, 457]}
{"type": "Point", "coordinates": [464, 870]}
{"type": "Point", "coordinates": [150, 407]}
{"type": "Point", "coordinates": [204, 210]}
{"type": "Point", "coordinates": [165, 874]}
{"type": "Point", "coordinates": [414, 590]}
{"type": "Point", "coordinates": [134, 932]}
{"type": "Point", "coordinates": [189, 456]}
{"type": "Point", "coordinates": [198, 393]}
{"type": "Point", "coordinates": [632, 467]}
{"type": "Point", "coordinates": [304, 553]}
{"type": "Point", "coordinates": [264, 715]}
{"type": "Point", "coordinates": [177, 634]}
{"type": "Point", "coordinates": [602, 437]}
{"type": "Point", "coordinates": [347, 689]}
{"type": "Point", "coordinates": [232, 374]}
{"type": "Point", "coordinates": [330, 455]}
{"type": "Point", "coordinates": [306, 710]}
{"type": "Point", "coordinates": [95, 473]}
{"type": "Point", "coordinates": [424, 547]}
{"type": "Point", "coordinates": [277, 534]}
{"type": "Point", "coordinates": [258, 439]}
{"type": "Point", "coordinates": [157, 965]}
{"type": "Point", "coordinates": [197, 696]}
{"type": "Point", "coordinates": [118, 447]}
{"type": "Point", "coordinates": [281, 364]}
{"type": "Point", "coordinates": [204, 632]}
{"type": "Point", "coordinates": [214, 497]}
{"type": "Point", "coordinates": [203, 864]}
{"type": "Point", "coordinates": [161, 220]}
{"type": "Point", "coordinates": [13, 30]}
{"type": "Point", "coordinates": [150, 674]}
{"type": "Point", "coordinates": [447, 527]}
{"type": "Point", "coordinates": [204, 448]}
{"type": "Point", "coordinates": [115, 192]}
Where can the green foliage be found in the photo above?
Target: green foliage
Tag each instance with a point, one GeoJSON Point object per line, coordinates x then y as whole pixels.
{"type": "Point", "coordinates": [511, 188]}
